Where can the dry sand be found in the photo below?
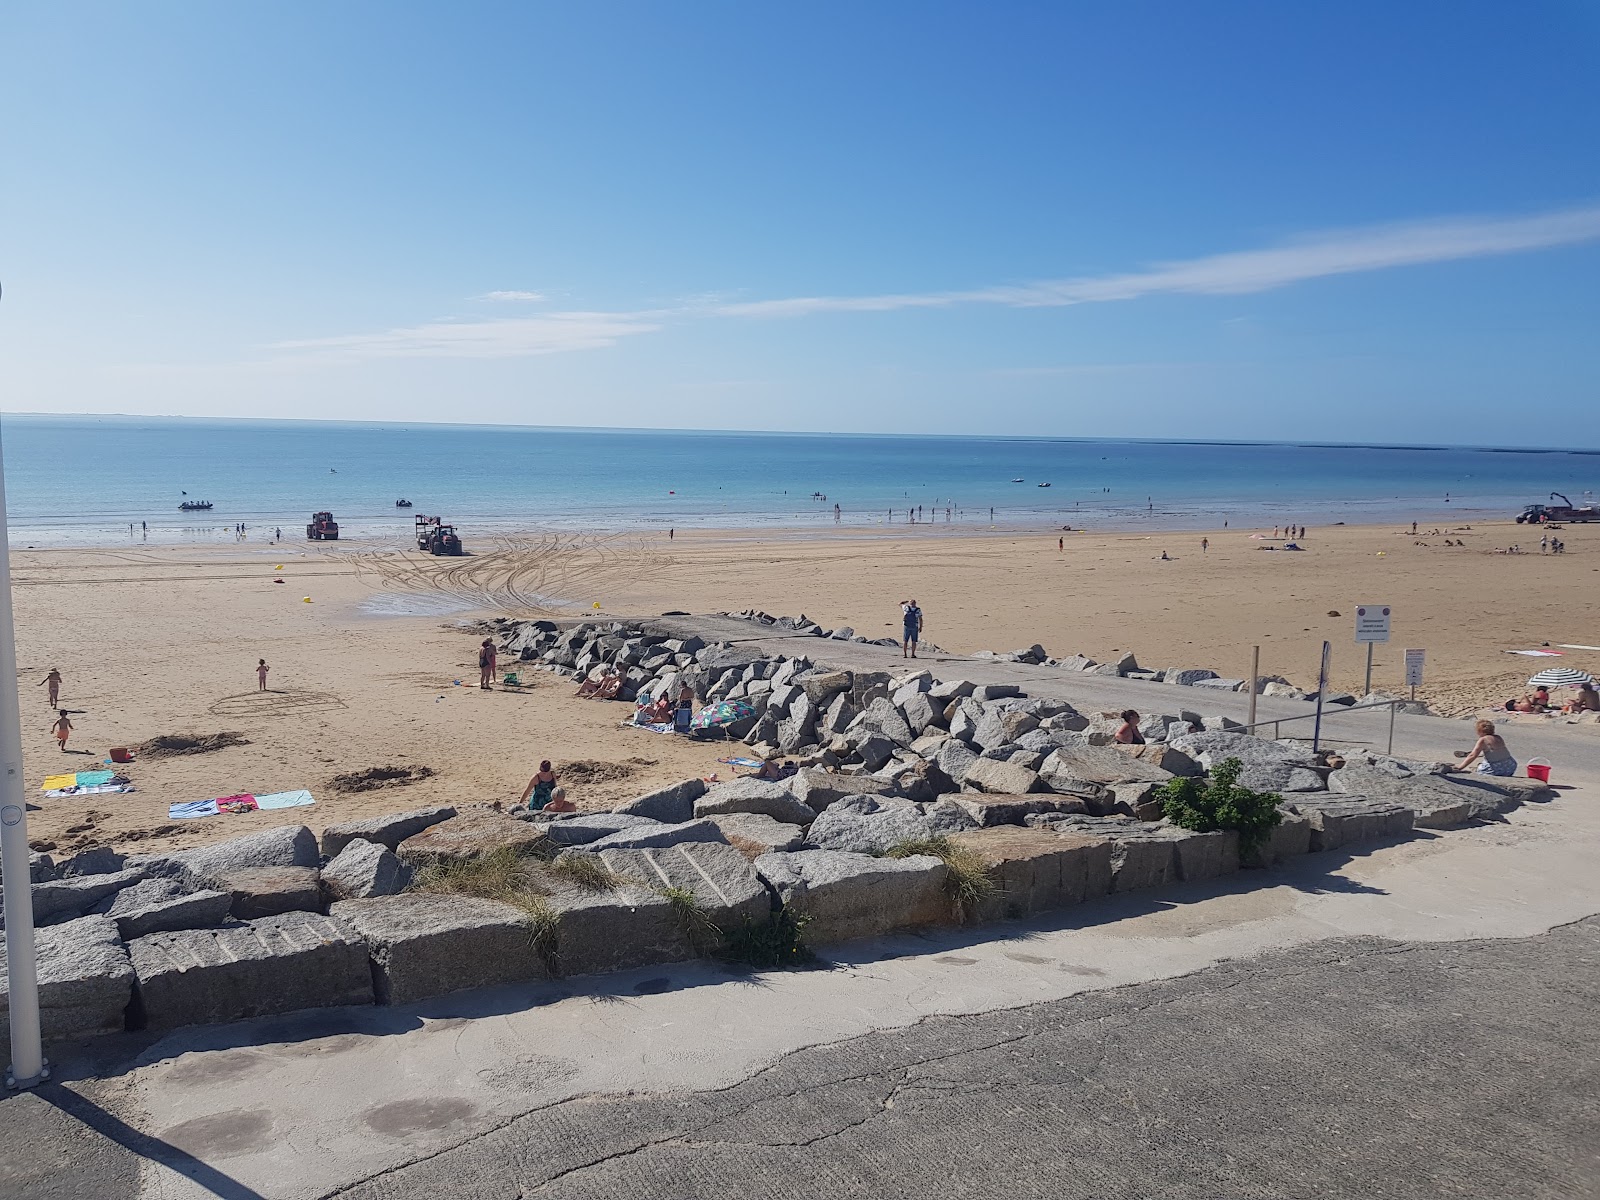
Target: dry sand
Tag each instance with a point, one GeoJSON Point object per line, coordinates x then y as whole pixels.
{"type": "Point", "coordinates": [165, 640]}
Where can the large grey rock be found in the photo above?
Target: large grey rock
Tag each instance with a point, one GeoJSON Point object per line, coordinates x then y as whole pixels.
{"type": "Point", "coordinates": [282, 846]}
{"type": "Point", "coordinates": [822, 686]}
{"type": "Point", "coordinates": [1290, 837]}
{"type": "Point", "coordinates": [836, 717]}
{"type": "Point", "coordinates": [818, 789]}
{"type": "Point", "coordinates": [996, 691]}
{"type": "Point", "coordinates": [41, 868]}
{"type": "Point", "coordinates": [85, 981]}
{"type": "Point", "coordinates": [1097, 764]}
{"type": "Point", "coordinates": [248, 969]}
{"type": "Point", "coordinates": [613, 929]}
{"type": "Point", "coordinates": [55, 897]}
{"type": "Point", "coordinates": [755, 834]}
{"type": "Point", "coordinates": [1211, 747]}
{"type": "Point", "coordinates": [1188, 677]}
{"type": "Point", "coordinates": [873, 749]}
{"type": "Point", "coordinates": [1000, 809]}
{"type": "Point", "coordinates": [1435, 801]}
{"type": "Point", "coordinates": [884, 719]}
{"type": "Point", "coordinates": [673, 805]}
{"type": "Point", "coordinates": [1006, 778]}
{"type": "Point", "coordinates": [363, 870]}
{"type": "Point", "coordinates": [159, 904]}
{"type": "Point", "coordinates": [1036, 870]}
{"type": "Point", "coordinates": [964, 716]}
{"type": "Point", "coordinates": [1280, 777]}
{"type": "Point", "coordinates": [955, 758]}
{"type": "Point", "coordinates": [269, 891]}
{"type": "Point", "coordinates": [590, 827]}
{"type": "Point", "coordinates": [770, 797]}
{"type": "Point", "coordinates": [868, 825]}
{"type": "Point", "coordinates": [98, 860]}
{"type": "Point", "coordinates": [950, 689]}
{"type": "Point", "coordinates": [388, 830]}
{"type": "Point", "coordinates": [657, 835]}
{"type": "Point", "coordinates": [469, 835]}
{"type": "Point", "coordinates": [1341, 820]}
{"type": "Point", "coordinates": [721, 879]}
{"type": "Point", "coordinates": [920, 713]}
{"type": "Point", "coordinates": [853, 896]}
{"type": "Point", "coordinates": [427, 945]}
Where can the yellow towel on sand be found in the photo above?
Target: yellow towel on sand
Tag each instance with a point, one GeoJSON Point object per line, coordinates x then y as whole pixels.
{"type": "Point", "coordinates": [54, 783]}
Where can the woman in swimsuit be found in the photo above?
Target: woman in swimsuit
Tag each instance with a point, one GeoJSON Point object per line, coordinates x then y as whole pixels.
{"type": "Point", "coordinates": [1128, 732]}
{"type": "Point", "coordinates": [1490, 753]}
{"type": "Point", "coordinates": [542, 794]}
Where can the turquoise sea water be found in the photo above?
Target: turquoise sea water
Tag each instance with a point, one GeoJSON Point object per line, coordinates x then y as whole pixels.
{"type": "Point", "coordinates": [82, 480]}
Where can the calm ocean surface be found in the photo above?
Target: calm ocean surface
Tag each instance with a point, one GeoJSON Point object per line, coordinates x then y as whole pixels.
{"type": "Point", "coordinates": [81, 480]}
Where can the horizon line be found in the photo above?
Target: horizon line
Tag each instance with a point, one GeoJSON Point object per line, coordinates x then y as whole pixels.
{"type": "Point", "coordinates": [1500, 448]}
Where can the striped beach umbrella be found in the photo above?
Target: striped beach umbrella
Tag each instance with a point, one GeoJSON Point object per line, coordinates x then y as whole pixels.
{"type": "Point", "coordinates": [1561, 677]}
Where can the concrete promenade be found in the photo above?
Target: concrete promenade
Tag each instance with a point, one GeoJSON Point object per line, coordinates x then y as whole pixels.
{"type": "Point", "coordinates": [1093, 1052]}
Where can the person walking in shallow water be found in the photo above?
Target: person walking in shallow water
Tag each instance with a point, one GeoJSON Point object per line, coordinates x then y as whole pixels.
{"type": "Point", "coordinates": [54, 680]}
{"type": "Point", "coordinates": [261, 674]}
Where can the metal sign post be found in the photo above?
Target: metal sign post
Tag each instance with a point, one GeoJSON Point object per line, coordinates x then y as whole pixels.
{"type": "Point", "coordinates": [1414, 670]}
{"type": "Point", "coordinates": [1372, 627]}
{"type": "Point", "coordinates": [22, 973]}
{"type": "Point", "coordinates": [1255, 675]}
{"type": "Point", "coordinates": [1322, 690]}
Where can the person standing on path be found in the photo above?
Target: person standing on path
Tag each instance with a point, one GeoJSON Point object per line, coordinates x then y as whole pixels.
{"type": "Point", "coordinates": [62, 729]}
{"type": "Point", "coordinates": [912, 616]}
{"type": "Point", "coordinates": [486, 663]}
{"type": "Point", "coordinates": [261, 674]}
{"type": "Point", "coordinates": [54, 680]}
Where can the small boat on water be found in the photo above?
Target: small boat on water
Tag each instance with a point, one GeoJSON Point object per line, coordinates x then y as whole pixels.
{"type": "Point", "coordinates": [1044, 485]}
{"type": "Point", "coordinates": [194, 506]}
{"type": "Point", "coordinates": [1019, 480]}
{"type": "Point", "coordinates": [402, 504]}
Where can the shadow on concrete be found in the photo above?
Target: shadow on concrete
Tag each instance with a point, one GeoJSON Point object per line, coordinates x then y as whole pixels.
{"type": "Point", "coordinates": [89, 1114]}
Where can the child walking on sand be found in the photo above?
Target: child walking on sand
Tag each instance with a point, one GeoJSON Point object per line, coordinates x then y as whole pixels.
{"type": "Point", "coordinates": [261, 674]}
{"type": "Point", "coordinates": [62, 729]}
{"type": "Point", "coordinates": [54, 680]}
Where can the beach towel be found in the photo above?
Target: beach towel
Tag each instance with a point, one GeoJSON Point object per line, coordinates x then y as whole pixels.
{"type": "Point", "coordinates": [295, 799]}
{"type": "Point", "coordinates": [94, 790]}
{"type": "Point", "coordinates": [662, 728]}
{"type": "Point", "coordinates": [93, 778]}
{"type": "Point", "coordinates": [56, 783]}
{"type": "Point", "coordinates": [1537, 653]}
{"type": "Point", "coordinates": [242, 803]}
{"type": "Point", "coordinates": [191, 808]}
{"type": "Point", "coordinates": [736, 761]}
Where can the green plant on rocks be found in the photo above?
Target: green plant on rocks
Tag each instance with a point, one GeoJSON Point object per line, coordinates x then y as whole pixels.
{"type": "Point", "coordinates": [502, 875]}
{"type": "Point", "coordinates": [968, 881]}
{"type": "Point", "coordinates": [586, 871]}
{"type": "Point", "coordinates": [776, 941]}
{"type": "Point", "coordinates": [1218, 802]}
{"type": "Point", "coordinates": [702, 931]}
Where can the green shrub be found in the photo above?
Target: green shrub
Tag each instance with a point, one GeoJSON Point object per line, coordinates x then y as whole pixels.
{"type": "Point", "coordinates": [1220, 803]}
{"type": "Point", "coordinates": [776, 941]}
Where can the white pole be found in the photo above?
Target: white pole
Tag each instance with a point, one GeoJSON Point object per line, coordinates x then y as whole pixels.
{"type": "Point", "coordinates": [22, 974]}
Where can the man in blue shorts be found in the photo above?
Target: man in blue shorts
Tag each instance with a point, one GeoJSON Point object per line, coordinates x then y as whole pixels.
{"type": "Point", "coordinates": [912, 616]}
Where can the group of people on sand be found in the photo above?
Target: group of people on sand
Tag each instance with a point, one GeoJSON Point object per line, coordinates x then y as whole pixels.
{"type": "Point", "coordinates": [1538, 701]}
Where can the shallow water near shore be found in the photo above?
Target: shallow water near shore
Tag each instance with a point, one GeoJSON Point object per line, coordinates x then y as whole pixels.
{"type": "Point", "coordinates": [85, 480]}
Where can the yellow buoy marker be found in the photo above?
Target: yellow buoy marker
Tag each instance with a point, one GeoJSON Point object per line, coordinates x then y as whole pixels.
{"type": "Point", "coordinates": [597, 604]}
{"type": "Point", "coordinates": [279, 567]}
{"type": "Point", "coordinates": [305, 599]}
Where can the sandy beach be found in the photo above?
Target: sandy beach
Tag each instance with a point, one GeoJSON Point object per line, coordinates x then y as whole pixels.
{"type": "Point", "coordinates": [164, 640]}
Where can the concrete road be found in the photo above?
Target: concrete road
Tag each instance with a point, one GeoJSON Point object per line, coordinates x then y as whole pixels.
{"type": "Point", "coordinates": [1348, 1068]}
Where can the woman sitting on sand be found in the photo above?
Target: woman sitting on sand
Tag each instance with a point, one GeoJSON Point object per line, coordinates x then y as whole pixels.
{"type": "Point", "coordinates": [1587, 700]}
{"type": "Point", "coordinates": [591, 685]}
{"type": "Point", "coordinates": [1127, 733]}
{"type": "Point", "coordinates": [542, 794]}
{"type": "Point", "coordinates": [610, 685]}
{"type": "Point", "coordinates": [653, 712]}
{"type": "Point", "coordinates": [1489, 752]}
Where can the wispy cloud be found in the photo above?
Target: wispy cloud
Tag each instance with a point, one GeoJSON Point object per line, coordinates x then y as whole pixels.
{"type": "Point", "coordinates": [1316, 256]}
{"type": "Point", "coordinates": [506, 337]}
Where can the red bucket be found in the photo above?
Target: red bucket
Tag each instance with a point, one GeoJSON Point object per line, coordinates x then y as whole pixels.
{"type": "Point", "coordinates": [1539, 769]}
{"type": "Point", "coordinates": [121, 754]}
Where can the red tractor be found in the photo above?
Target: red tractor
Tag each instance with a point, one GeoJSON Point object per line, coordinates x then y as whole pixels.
{"type": "Point", "coordinates": [444, 541]}
{"type": "Point", "coordinates": [323, 528]}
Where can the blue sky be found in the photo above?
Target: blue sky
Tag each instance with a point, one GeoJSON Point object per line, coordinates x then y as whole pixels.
{"type": "Point", "coordinates": [1362, 221]}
